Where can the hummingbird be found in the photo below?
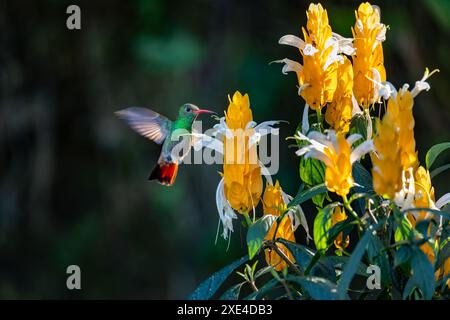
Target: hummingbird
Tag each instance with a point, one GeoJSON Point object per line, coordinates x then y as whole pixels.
{"type": "Point", "coordinates": [161, 130]}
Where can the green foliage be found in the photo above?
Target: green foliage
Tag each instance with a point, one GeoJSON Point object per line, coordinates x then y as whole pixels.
{"type": "Point", "coordinates": [322, 224]}
{"type": "Point", "coordinates": [422, 275]}
{"type": "Point", "coordinates": [209, 287]}
{"type": "Point", "coordinates": [257, 232]}
{"type": "Point", "coordinates": [434, 152]}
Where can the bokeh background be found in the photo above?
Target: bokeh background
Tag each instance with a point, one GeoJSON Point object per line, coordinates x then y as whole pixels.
{"type": "Point", "coordinates": [73, 187]}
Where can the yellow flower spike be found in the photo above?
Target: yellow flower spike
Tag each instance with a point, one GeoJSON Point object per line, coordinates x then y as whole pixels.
{"type": "Point", "coordinates": [318, 77]}
{"type": "Point", "coordinates": [241, 172]}
{"type": "Point", "coordinates": [368, 34]}
{"type": "Point", "coordinates": [336, 152]}
{"type": "Point", "coordinates": [274, 204]}
{"type": "Point", "coordinates": [338, 175]}
{"type": "Point", "coordinates": [387, 167]}
{"type": "Point", "coordinates": [443, 271]}
{"type": "Point", "coordinates": [424, 192]}
{"type": "Point", "coordinates": [338, 216]}
{"type": "Point", "coordinates": [339, 111]}
{"type": "Point", "coordinates": [401, 107]}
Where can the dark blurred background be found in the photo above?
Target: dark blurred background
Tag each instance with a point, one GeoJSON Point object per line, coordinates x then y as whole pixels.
{"type": "Point", "coordinates": [73, 186]}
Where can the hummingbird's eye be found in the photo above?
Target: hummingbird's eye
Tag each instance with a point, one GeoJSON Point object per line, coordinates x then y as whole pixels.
{"type": "Point", "coordinates": [188, 109]}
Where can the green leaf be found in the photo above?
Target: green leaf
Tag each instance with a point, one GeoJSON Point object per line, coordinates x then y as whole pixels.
{"type": "Point", "coordinates": [322, 223]}
{"type": "Point", "coordinates": [423, 275]}
{"type": "Point", "coordinates": [402, 255]}
{"type": "Point", "coordinates": [353, 263]}
{"type": "Point", "coordinates": [363, 179]}
{"type": "Point", "coordinates": [439, 170]}
{"type": "Point", "coordinates": [341, 261]}
{"type": "Point", "coordinates": [319, 199]}
{"type": "Point", "coordinates": [434, 152]}
{"type": "Point", "coordinates": [403, 230]}
{"type": "Point", "coordinates": [316, 287]}
{"type": "Point", "coordinates": [378, 256]}
{"type": "Point", "coordinates": [232, 293]}
{"type": "Point", "coordinates": [312, 171]}
{"type": "Point", "coordinates": [439, 213]}
{"type": "Point", "coordinates": [359, 126]}
{"type": "Point", "coordinates": [257, 232]}
{"type": "Point", "coordinates": [208, 287]}
{"type": "Point", "coordinates": [303, 255]}
{"type": "Point", "coordinates": [305, 195]}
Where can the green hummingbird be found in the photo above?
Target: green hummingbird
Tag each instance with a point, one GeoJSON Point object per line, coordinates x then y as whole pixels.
{"type": "Point", "coordinates": [161, 130]}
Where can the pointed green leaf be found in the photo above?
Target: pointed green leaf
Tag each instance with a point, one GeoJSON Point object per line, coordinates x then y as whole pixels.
{"type": "Point", "coordinates": [322, 224]}
{"type": "Point", "coordinates": [316, 287]}
{"type": "Point", "coordinates": [439, 170]}
{"type": "Point", "coordinates": [305, 195]}
{"type": "Point", "coordinates": [353, 263]}
{"type": "Point", "coordinates": [303, 255]}
{"type": "Point", "coordinates": [312, 171]}
{"type": "Point", "coordinates": [209, 287]}
{"type": "Point", "coordinates": [423, 275]}
{"type": "Point", "coordinates": [257, 232]}
{"type": "Point", "coordinates": [232, 293]}
{"type": "Point", "coordinates": [434, 152]}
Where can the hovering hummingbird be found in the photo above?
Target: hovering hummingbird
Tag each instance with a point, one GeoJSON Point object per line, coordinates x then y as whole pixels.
{"type": "Point", "coordinates": [161, 130]}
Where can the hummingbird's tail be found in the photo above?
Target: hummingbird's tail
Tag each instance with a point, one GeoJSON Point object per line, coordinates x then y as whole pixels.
{"type": "Point", "coordinates": [164, 172]}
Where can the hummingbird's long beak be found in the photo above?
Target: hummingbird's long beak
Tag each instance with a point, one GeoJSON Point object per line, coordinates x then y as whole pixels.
{"type": "Point", "coordinates": [200, 111]}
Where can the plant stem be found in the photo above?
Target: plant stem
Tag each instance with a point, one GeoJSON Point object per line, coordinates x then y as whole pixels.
{"type": "Point", "coordinates": [273, 246]}
{"type": "Point", "coordinates": [253, 285]}
{"type": "Point", "coordinates": [319, 118]}
{"type": "Point", "coordinates": [247, 218]}
{"type": "Point", "coordinates": [350, 209]}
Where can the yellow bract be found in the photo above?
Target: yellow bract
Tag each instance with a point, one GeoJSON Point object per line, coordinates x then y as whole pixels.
{"type": "Point", "coordinates": [387, 168]}
{"type": "Point", "coordinates": [338, 174]}
{"type": "Point", "coordinates": [273, 204]}
{"type": "Point", "coordinates": [339, 111]}
{"type": "Point", "coordinates": [242, 174]}
{"type": "Point", "coordinates": [368, 60]}
{"type": "Point", "coordinates": [443, 271]}
{"type": "Point", "coordinates": [338, 216]}
{"type": "Point", "coordinates": [424, 196]}
{"type": "Point", "coordinates": [317, 80]}
{"type": "Point", "coordinates": [401, 109]}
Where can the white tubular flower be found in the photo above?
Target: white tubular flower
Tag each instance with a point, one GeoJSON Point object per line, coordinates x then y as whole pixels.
{"type": "Point", "coordinates": [319, 142]}
{"type": "Point", "coordinates": [335, 151]}
{"type": "Point", "coordinates": [345, 44]}
{"type": "Point", "coordinates": [289, 66]}
{"type": "Point", "coordinates": [443, 201]}
{"type": "Point", "coordinates": [404, 199]}
{"type": "Point", "coordinates": [296, 215]}
{"type": "Point", "coordinates": [292, 41]}
{"type": "Point", "coordinates": [226, 213]}
{"type": "Point", "coordinates": [422, 84]}
{"type": "Point", "coordinates": [387, 90]}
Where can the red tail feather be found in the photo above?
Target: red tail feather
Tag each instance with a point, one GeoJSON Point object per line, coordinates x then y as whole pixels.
{"type": "Point", "coordinates": [165, 173]}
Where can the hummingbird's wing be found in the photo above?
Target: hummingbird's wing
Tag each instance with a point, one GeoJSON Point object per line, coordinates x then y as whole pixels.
{"type": "Point", "coordinates": [146, 122]}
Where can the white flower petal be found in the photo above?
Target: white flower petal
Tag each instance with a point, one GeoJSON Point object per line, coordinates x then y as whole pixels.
{"type": "Point", "coordinates": [356, 109]}
{"type": "Point", "coordinates": [289, 65]}
{"type": "Point", "coordinates": [292, 40]}
{"type": "Point", "coordinates": [353, 138]}
{"type": "Point", "coordinates": [265, 172]}
{"type": "Point", "coordinates": [310, 50]}
{"type": "Point", "coordinates": [305, 120]}
{"type": "Point", "coordinates": [445, 199]}
{"type": "Point", "coordinates": [361, 150]}
{"type": "Point", "coordinates": [226, 213]}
